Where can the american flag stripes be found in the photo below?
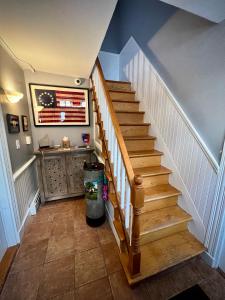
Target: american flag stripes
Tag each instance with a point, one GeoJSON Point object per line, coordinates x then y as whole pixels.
{"type": "Point", "coordinates": [60, 106]}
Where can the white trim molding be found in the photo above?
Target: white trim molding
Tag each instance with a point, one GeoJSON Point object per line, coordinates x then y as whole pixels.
{"type": "Point", "coordinates": [215, 237]}
{"type": "Point", "coordinates": [8, 203]}
{"type": "Point", "coordinates": [23, 168]}
{"type": "Point", "coordinates": [185, 153]}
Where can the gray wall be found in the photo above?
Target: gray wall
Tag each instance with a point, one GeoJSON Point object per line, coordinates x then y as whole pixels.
{"type": "Point", "coordinates": [12, 78]}
{"type": "Point", "coordinates": [189, 54]}
{"type": "Point", "coordinates": [56, 133]}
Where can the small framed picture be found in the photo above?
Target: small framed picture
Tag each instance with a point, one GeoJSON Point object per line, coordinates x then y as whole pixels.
{"type": "Point", "coordinates": [25, 124]}
{"type": "Point", "coordinates": [13, 123]}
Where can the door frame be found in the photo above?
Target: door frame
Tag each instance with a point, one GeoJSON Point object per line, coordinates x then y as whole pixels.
{"type": "Point", "coordinates": [215, 238]}
{"type": "Point", "coordinates": [9, 208]}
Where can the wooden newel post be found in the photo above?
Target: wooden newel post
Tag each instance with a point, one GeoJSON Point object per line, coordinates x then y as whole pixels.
{"type": "Point", "coordinates": [137, 200]}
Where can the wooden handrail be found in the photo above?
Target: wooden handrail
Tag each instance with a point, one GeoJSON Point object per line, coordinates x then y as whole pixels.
{"type": "Point", "coordinates": [120, 140]}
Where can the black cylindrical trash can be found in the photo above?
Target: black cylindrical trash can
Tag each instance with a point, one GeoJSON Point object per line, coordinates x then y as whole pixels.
{"type": "Point", "coordinates": [93, 183]}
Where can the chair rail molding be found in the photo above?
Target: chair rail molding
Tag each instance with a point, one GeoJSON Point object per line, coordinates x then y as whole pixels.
{"type": "Point", "coordinates": [23, 168]}
{"type": "Point", "coordinates": [195, 168]}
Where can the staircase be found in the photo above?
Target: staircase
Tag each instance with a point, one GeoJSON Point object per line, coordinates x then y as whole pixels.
{"type": "Point", "coordinates": [151, 227]}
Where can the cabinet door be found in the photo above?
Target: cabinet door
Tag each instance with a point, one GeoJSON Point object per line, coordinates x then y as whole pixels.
{"type": "Point", "coordinates": [54, 175]}
{"type": "Point", "coordinates": [75, 164]}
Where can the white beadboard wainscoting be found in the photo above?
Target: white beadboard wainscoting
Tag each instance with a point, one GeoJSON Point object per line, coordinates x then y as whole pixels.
{"type": "Point", "coordinates": [194, 168]}
{"type": "Point", "coordinates": [27, 191]}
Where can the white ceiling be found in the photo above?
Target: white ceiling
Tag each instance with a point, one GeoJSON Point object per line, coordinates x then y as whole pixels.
{"type": "Point", "coordinates": [213, 10]}
{"type": "Point", "coordinates": [60, 36]}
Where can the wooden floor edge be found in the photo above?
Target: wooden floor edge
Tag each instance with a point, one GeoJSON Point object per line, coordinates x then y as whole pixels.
{"type": "Point", "coordinates": [6, 263]}
{"type": "Point", "coordinates": [134, 280]}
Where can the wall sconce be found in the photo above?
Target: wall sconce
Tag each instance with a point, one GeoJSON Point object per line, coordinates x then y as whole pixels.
{"type": "Point", "coordinates": [13, 97]}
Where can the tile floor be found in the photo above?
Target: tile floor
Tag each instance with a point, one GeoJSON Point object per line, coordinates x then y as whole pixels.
{"type": "Point", "coordinates": [61, 258]}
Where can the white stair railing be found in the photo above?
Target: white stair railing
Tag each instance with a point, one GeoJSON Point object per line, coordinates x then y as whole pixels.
{"type": "Point", "coordinates": [128, 188]}
{"type": "Point", "coordinates": [123, 184]}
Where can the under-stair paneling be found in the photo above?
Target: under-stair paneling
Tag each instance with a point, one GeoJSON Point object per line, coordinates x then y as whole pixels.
{"type": "Point", "coordinates": [27, 191]}
{"type": "Point", "coordinates": [194, 168]}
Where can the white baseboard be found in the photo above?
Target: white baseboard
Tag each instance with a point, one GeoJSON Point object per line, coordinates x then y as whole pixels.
{"type": "Point", "coordinates": [208, 259]}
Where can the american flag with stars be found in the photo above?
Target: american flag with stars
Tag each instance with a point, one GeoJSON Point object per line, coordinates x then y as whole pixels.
{"type": "Point", "coordinates": [61, 106]}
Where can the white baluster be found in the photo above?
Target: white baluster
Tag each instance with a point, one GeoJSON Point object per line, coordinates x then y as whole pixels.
{"type": "Point", "coordinates": [113, 144]}
{"type": "Point", "coordinates": [118, 170]}
{"type": "Point", "coordinates": [123, 182]}
{"type": "Point", "coordinates": [127, 207]}
{"type": "Point", "coordinates": [110, 135]}
{"type": "Point", "coordinates": [115, 152]}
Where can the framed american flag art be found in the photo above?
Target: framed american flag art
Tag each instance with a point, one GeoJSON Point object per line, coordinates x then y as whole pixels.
{"type": "Point", "coordinates": [59, 106]}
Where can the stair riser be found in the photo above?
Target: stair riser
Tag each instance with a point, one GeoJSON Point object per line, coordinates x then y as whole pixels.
{"type": "Point", "coordinates": [119, 86]}
{"type": "Point", "coordinates": [136, 145]}
{"type": "Point", "coordinates": [123, 106]}
{"type": "Point", "coordinates": [155, 180]}
{"type": "Point", "coordinates": [133, 130]}
{"type": "Point", "coordinates": [146, 161]}
{"type": "Point", "coordinates": [122, 96]}
{"type": "Point", "coordinates": [158, 204]}
{"type": "Point", "coordinates": [162, 233]}
{"type": "Point", "coordinates": [130, 118]}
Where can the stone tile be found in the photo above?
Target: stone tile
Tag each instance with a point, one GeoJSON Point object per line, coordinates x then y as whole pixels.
{"type": "Point", "coordinates": [202, 269]}
{"type": "Point", "coordinates": [42, 216]}
{"type": "Point", "coordinates": [122, 291]}
{"type": "Point", "coordinates": [111, 257]}
{"type": "Point", "coordinates": [23, 285]}
{"type": "Point", "coordinates": [62, 214]}
{"type": "Point", "coordinates": [105, 234]}
{"type": "Point", "coordinates": [72, 295]}
{"type": "Point", "coordinates": [214, 287]}
{"type": "Point", "coordinates": [57, 279]}
{"type": "Point", "coordinates": [89, 266]}
{"type": "Point", "coordinates": [86, 239]}
{"type": "Point", "coordinates": [96, 290]}
{"type": "Point", "coordinates": [36, 232]}
{"type": "Point", "coordinates": [30, 255]}
{"type": "Point", "coordinates": [172, 282]}
{"type": "Point", "coordinates": [60, 246]}
{"type": "Point", "coordinates": [63, 226]}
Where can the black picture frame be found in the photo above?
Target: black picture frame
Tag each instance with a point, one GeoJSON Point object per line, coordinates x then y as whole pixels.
{"type": "Point", "coordinates": [25, 122]}
{"type": "Point", "coordinates": [13, 123]}
{"type": "Point", "coordinates": [53, 88]}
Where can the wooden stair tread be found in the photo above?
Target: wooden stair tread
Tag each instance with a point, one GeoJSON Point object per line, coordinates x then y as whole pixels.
{"type": "Point", "coordinates": [147, 137]}
{"type": "Point", "coordinates": [125, 101]}
{"type": "Point", "coordinates": [160, 191]}
{"type": "Point", "coordinates": [118, 81]}
{"type": "Point", "coordinates": [162, 218]}
{"type": "Point", "coordinates": [162, 254]}
{"type": "Point", "coordinates": [121, 91]}
{"type": "Point", "coordinates": [144, 153]}
{"type": "Point", "coordinates": [134, 124]}
{"type": "Point", "coordinates": [151, 171]}
{"type": "Point", "coordinates": [129, 112]}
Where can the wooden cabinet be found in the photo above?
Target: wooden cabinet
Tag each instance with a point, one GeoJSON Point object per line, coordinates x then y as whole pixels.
{"type": "Point", "coordinates": [61, 173]}
{"type": "Point", "coordinates": [75, 163]}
